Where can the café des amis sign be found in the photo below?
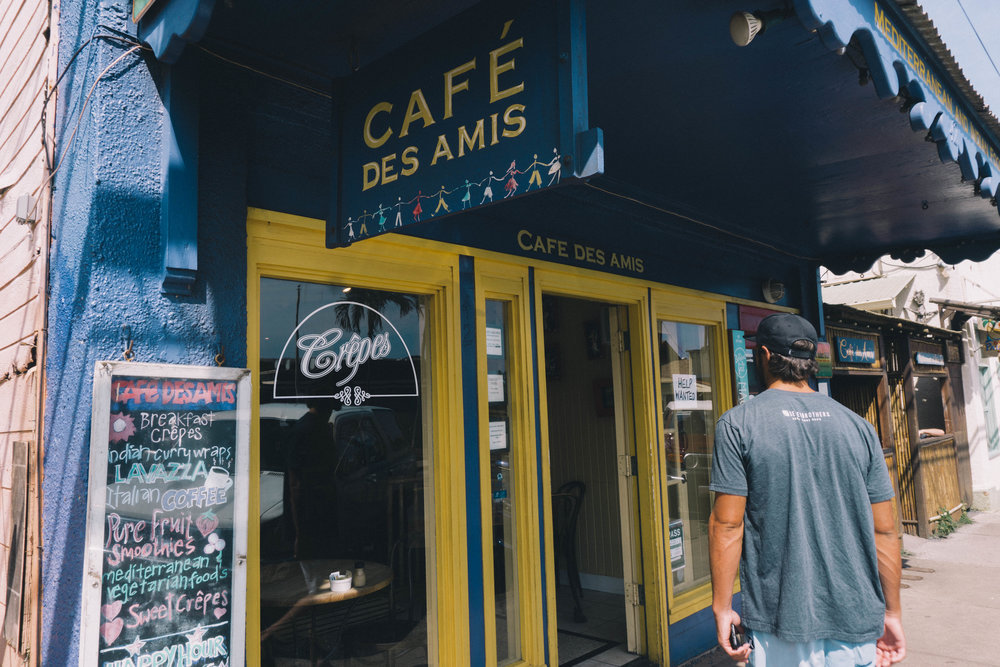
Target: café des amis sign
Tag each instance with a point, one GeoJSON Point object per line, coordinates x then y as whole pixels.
{"type": "Point", "coordinates": [488, 106]}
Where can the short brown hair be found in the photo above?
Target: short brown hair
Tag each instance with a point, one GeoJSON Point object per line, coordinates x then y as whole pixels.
{"type": "Point", "coordinates": [793, 369]}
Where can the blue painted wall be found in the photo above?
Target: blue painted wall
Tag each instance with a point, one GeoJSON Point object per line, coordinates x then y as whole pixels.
{"type": "Point", "coordinates": [106, 273]}
{"type": "Point", "coordinates": [695, 634]}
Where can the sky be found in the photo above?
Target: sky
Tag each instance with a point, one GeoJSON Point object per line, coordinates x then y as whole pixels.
{"type": "Point", "coordinates": [971, 31]}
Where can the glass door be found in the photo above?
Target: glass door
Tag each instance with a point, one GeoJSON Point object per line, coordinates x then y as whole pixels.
{"type": "Point", "coordinates": [503, 491]}
{"type": "Point", "coordinates": [690, 396]}
{"type": "Point", "coordinates": [346, 539]}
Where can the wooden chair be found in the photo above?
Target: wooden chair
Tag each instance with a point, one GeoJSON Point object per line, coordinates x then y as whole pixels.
{"type": "Point", "coordinates": [566, 503]}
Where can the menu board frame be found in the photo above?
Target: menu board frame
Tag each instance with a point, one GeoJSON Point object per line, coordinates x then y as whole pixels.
{"type": "Point", "coordinates": [104, 373]}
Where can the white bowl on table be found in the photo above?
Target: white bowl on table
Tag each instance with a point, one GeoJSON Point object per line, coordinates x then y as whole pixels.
{"type": "Point", "coordinates": [340, 581]}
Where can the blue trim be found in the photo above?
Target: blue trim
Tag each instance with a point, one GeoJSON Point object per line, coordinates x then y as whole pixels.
{"type": "Point", "coordinates": [695, 634]}
{"type": "Point", "coordinates": [732, 315]}
{"type": "Point", "coordinates": [169, 28]}
{"type": "Point", "coordinates": [933, 105]}
{"type": "Point", "coordinates": [538, 456]}
{"type": "Point", "coordinates": [470, 413]}
{"type": "Point", "coordinates": [817, 290]}
{"type": "Point", "coordinates": [179, 164]}
{"type": "Point", "coordinates": [574, 121]}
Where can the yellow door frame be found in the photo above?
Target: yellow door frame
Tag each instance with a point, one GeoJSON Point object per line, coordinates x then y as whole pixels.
{"type": "Point", "coordinates": [509, 283]}
{"type": "Point", "coordinates": [709, 311]}
{"type": "Point", "coordinates": [613, 289]}
{"type": "Point", "coordinates": [291, 247]}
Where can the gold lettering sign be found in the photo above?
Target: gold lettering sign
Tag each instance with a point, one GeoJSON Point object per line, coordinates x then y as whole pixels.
{"type": "Point", "coordinates": [552, 247]}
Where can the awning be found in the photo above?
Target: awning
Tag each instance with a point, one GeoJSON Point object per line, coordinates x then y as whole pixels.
{"type": "Point", "coordinates": [959, 312]}
{"type": "Point", "coordinates": [774, 145]}
{"type": "Point", "coordinates": [880, 293]}
{"type": "Point", "coordinates": [911, 64]}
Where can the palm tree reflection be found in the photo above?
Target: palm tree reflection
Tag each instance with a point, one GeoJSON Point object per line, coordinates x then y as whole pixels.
{"type": "Point", "coordinates": [350, 316]}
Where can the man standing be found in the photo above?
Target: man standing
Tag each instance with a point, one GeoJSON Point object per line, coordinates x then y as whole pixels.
{"type": "Point", "coordinates": [803, 505]}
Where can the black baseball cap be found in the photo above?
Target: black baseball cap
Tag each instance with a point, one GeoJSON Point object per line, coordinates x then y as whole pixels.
{"type": "Point", "coordinates": [779, 332]}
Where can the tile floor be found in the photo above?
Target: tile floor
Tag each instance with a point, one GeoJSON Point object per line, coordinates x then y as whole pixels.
{"type": "Point", "coordinates": [601, 640]}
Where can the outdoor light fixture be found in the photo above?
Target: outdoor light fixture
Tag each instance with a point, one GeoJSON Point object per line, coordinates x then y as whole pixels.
{"type": "Point", "coordinates": [772, 290]}
{"type": "Point", "coordinates": [744, 26]}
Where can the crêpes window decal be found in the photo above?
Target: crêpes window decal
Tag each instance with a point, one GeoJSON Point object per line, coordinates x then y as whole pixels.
{"type": "Point", "coordinates": [348, 351]}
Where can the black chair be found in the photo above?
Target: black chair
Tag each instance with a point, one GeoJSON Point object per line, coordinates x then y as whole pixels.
{"type": "Point", "coordinates": [565, 512]}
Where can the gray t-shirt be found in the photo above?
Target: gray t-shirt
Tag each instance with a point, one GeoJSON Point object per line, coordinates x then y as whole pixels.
{"type": "Point", "coordinates": [810, 470]}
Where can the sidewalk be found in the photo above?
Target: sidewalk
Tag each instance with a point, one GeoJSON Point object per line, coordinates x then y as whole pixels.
{"type": "Point", "coordinates": [951, 614]}
{"type": "Point", "coordinates": [951, 598]}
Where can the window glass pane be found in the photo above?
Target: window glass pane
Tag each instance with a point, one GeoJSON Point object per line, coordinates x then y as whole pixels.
{"type": "Point", "coordinates": [930, 406]}
{"type": "Point", "coordinates": [687, 376]}
{"type": "Point", "coordinates": [344, 461]}
{"type": "Point", "coordinates": [989, 409]}
{"type": "Point", "coordinates": [502, 483]}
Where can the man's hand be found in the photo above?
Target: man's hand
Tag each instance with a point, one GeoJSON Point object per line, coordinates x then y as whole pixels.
{"type": "Point", "coordinates": [725, 544]}
{"type": "Point", "coordinates": [891, 647]}
{"type": "Point", "coordinates": [723, 621]}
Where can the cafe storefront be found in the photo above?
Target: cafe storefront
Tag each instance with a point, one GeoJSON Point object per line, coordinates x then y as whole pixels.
{"type": "Point", "coordinates": [582, 518]}
{"type": "Point", "coordinates": [491, 289]}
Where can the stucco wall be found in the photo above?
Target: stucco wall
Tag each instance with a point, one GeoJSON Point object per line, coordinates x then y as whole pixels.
{"type": "Point", "coordinates": [106, 268]}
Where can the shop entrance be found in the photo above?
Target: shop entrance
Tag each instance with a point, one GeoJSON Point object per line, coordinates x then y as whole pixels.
{"type": "Point", "coordinates": [591, 454]}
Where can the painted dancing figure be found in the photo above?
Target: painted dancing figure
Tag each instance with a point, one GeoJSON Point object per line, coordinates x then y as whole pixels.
{"type": "Point", "coordinates": [399, 212]}
{"type": "Point", "coordinates": [350, 229]}
{"type": "Point", "coordinates": [488, 192]}
{"type": "Point", "coordinates": [555, 167]}
{"type": "Point", "coordinates": [441, 203]}
{"type": "Point", "coordinates": [381, 217]}
{"type": "Point", "coordinates": [536, 178]}
{"type": "Point", "coordinates": [418, 209]}
{"type": "Point", "coordinates": [468, 195]}
{"type": "Point", "coordinates": [511, 185]}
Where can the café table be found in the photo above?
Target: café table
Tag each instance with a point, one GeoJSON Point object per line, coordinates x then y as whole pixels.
{"type": "Point", "coordinates": [305, 584]}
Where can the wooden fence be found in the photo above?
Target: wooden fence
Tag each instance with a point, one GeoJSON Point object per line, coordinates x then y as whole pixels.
{"type": "Point", "coordinates": [938, 475]}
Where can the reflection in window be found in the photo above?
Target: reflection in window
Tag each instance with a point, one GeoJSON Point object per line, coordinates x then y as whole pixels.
{"type": "Point", "coordinates": [686, 358]}
{"type": "Point", "coordinates": [502, 483]}
{"type": "Point", "coordinates": [344, 463]}
{"type": "Point", "coordinates": [929, 400]}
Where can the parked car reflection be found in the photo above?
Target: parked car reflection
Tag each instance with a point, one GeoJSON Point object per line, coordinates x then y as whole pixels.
{"type": "Point", "coordinates": [327, 496]}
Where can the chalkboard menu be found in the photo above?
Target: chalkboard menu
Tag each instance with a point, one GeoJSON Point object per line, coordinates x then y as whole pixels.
{"type": "Point", "coordinates": [165, 572]}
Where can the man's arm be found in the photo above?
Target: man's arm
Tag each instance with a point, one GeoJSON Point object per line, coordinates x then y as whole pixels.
{"type": "Point", "coordinates": [891, 647]}
{"type": "Point", "coordinates": [725, 546]}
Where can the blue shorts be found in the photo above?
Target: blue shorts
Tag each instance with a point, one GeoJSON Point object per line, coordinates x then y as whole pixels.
{"type": "Point", "coordinates": [772, 651]}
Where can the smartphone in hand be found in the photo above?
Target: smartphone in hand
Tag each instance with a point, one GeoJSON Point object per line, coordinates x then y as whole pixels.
{"type": "Point", "coordinates": [736, 638]}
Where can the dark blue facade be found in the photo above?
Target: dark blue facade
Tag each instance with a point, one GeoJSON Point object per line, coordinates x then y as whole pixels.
{"type": "Point", "coordinates": [264, 142]}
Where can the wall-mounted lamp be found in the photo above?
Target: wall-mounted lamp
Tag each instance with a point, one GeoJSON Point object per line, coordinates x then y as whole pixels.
{"type": "Point", "coordinates": [744, 26]}
{"type": "Point", "coordinates": [772, 290]}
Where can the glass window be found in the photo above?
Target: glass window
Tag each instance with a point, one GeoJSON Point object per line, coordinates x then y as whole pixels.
{"type": "Point", "coordinates": [989, 410]}
{"type": "Point", "coordinates": [931, 419]}
{"type": "Point", "coordinates": [502, 483]}
{"type": "Point", "coordinates": [686, 357]}
{"type": "Point", "coordinates": [345, 534]}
